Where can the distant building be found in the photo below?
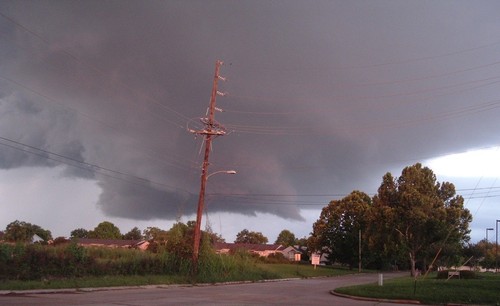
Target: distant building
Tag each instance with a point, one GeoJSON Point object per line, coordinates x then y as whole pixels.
{"type": "Point", "coordinates": [263, 250]}
{"type": "Point", "coordinates": [113, 243]}
{"type": "Point", "coordinates": [292, 253]}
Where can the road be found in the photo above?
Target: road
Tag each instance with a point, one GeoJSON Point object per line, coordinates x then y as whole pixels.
{"type": "Point", "coordinates": [289, 292]}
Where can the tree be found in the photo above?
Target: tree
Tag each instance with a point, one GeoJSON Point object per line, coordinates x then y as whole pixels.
{"type": "Point", "coordinates": [246, 236]}
{"type": "Point", "coordinates": [20, 231]}
{"type": "Point", "coordinates": [133, 234]}
{"type": "Point", "coordinates": [155, 234]}
{"type": "Point", "coordinates": [418, 214]}
{"type": "Point", "coordinates": [383, 242]}
{"type": "Point", "coordinates": [180, 240]}
{"type": "Point", "coordinates": [105, 230]}
{"type": "Point", "coordinates": [157, 238]}
{"type": "Point", "coordinates": [79, 233]}
{"type": "Point", "coordinates": [286, 238]}
{"type": "Point", "coordinates": [336, 232]}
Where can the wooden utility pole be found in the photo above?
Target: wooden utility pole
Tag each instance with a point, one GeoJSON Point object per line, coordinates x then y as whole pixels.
{"type": "Point", "coordinates": [211, 130]}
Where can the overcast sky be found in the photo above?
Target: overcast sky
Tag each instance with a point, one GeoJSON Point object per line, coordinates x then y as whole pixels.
{"type": "Point", "coordinates": [323, 97]}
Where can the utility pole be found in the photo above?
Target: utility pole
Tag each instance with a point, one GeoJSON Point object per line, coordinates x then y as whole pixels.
{"type": "Point", "coordinates": [211, 130]}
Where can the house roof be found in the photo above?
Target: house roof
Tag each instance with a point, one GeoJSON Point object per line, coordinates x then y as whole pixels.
{"type": "Point", "coordinates": [292, 249]}
{"type": "Point", "coordinates": [248, 246]}
{"type": "Point", "coordinates": [108, 242]}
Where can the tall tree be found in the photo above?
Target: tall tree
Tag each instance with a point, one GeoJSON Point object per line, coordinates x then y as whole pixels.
{"type": "Point", "coordinates": [180, 240]}
{"type": "Point", "coordinates": [133, 234]}
{"type": "Point", "coordinates": [105, 230]}
{"type": "Point", "coordinates": [79, 233]}
{"type": "Point", "coordinates": [286, 238]}
{"type": "Point", "coordinates": [20, 231]}
{"type": "Point", "coordinates": [383, 241]}
{"type": "Point", "coordinates": [421, 213]}
{"type": "Point", "coordinates": [246, 236]}
{"type": "Point", "coordinates": [336, 232]}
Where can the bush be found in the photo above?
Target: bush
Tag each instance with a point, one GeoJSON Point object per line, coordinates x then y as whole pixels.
{"type": "Point", "coordinates": [275, 258]}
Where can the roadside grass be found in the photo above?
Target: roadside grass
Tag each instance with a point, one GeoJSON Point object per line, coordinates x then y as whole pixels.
{"type": "Point", "coordinates": [93, 282]}
{"type": "Point", "coordinates": [255, 272]}
{"type": "Point", "coordinates": [482, 290]}
{"type": "Point", "coordinates": [304, 270]}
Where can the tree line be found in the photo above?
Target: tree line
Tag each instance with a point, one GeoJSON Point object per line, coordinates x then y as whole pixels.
{"type": "Point", "coordinates": [21, 231]}
{"type": "Point", "coordinates": [413, 221]}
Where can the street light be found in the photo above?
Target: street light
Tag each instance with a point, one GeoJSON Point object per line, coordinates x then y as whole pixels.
{"type": "Point", "coordinates": [201, 202]}
{"type": "Point", "coordinates": [487, 230]}
{"type": "Point", "coordinates": [222, 171]}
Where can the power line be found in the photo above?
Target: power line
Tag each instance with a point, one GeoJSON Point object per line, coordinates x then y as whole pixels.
{"type": "Point", "coordinates": [94, 168]}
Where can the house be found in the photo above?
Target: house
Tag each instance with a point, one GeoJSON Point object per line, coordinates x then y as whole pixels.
{"type": "Point", "coordinates": [113, 243]}
{"type": "Point", "coordinates": [263, 250]}
{"type": "Point", "coordinates": [36, 239]}
{"type": "Point", "coordinates": [292, 253]}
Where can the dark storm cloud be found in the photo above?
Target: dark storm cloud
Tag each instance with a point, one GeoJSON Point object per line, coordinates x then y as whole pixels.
{"type": "Point", "coordinates": [324, 97]}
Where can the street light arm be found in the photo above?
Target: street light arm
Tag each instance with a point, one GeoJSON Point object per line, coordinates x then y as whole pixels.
{"type": "Point", "coordinates": [222, 171]}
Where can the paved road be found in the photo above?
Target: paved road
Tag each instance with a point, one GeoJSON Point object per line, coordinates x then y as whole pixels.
{"type": "Point", "coordinates": [290, 292]}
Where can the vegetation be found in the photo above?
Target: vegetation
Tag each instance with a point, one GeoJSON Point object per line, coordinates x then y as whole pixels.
{"type": "Point", "coordinates": [28, 266]}
{"type": "Point", "coordinates": [413, 222]}
{"type": "Point", "coordinates": [286, 238]}
{"type": "Point", "coordinates": [480, 254]}
{"type": "Point", "coordinates": [337, 230]}
{"type": "Point", "coordinates": [23, 232]}
{"type": "Point", "coordinates": [410, 220]}
{"type": "Point", "coordinates": [480, 290]}
{"type": "Point", "coordinates": [246, 236]}
{"type": "Point", "coordinates": [105, 230]}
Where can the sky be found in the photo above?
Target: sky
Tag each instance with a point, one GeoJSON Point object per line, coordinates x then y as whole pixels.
{"type": "Point", "coordinates": [322, 98]}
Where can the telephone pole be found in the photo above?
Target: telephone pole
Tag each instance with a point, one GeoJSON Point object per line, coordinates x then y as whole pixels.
{"type": "Point", "coordinates": [211, 130]}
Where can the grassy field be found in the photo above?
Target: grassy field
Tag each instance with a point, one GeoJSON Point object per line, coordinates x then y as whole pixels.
{"type": "Point", "coordinates": [485, 289]}
{"type": "Point", "coordinates": [266, 271]}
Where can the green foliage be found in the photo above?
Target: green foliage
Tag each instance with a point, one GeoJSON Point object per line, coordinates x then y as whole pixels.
{"type": "Point", "coordinates": [20, 231]}
{"type": "Point", "coordinates": [275, 258]}
{"type": "Point", "coordinates": [246, 236]}
{"type": "Point", "coordinates": [105, 230]}
{"type": "Point", "coordinates": [410, 220]}
{"type": "Point", "coordinates": [79, 233]}
{"type": "Point", "coordinates": [286, 238]}
{"type": "Point", "coordinates": [133, 234]}
{"type": "Point", "coordinates": [336, 232]}
{"type": "Point", "coordinates": [223, 268]}
{"type": "Point", "coordinates": [416, 215]}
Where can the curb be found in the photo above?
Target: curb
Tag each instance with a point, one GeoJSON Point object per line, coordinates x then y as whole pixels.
{"type": "Point", "coordinates": [361, 298]}
{"type": "Point", "coordinates": [159, 286]}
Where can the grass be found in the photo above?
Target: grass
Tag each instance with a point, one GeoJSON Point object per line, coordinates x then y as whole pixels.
{"type": "Point", "coordinates": [261, 272]}
{"type": "Point", "coordinates": [303, 270]}
{"type": "Point", "coordinates": [481, 290]}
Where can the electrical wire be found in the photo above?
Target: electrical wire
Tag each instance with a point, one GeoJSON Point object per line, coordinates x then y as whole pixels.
{"type": "Point", "coordinates": [94, 168]}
